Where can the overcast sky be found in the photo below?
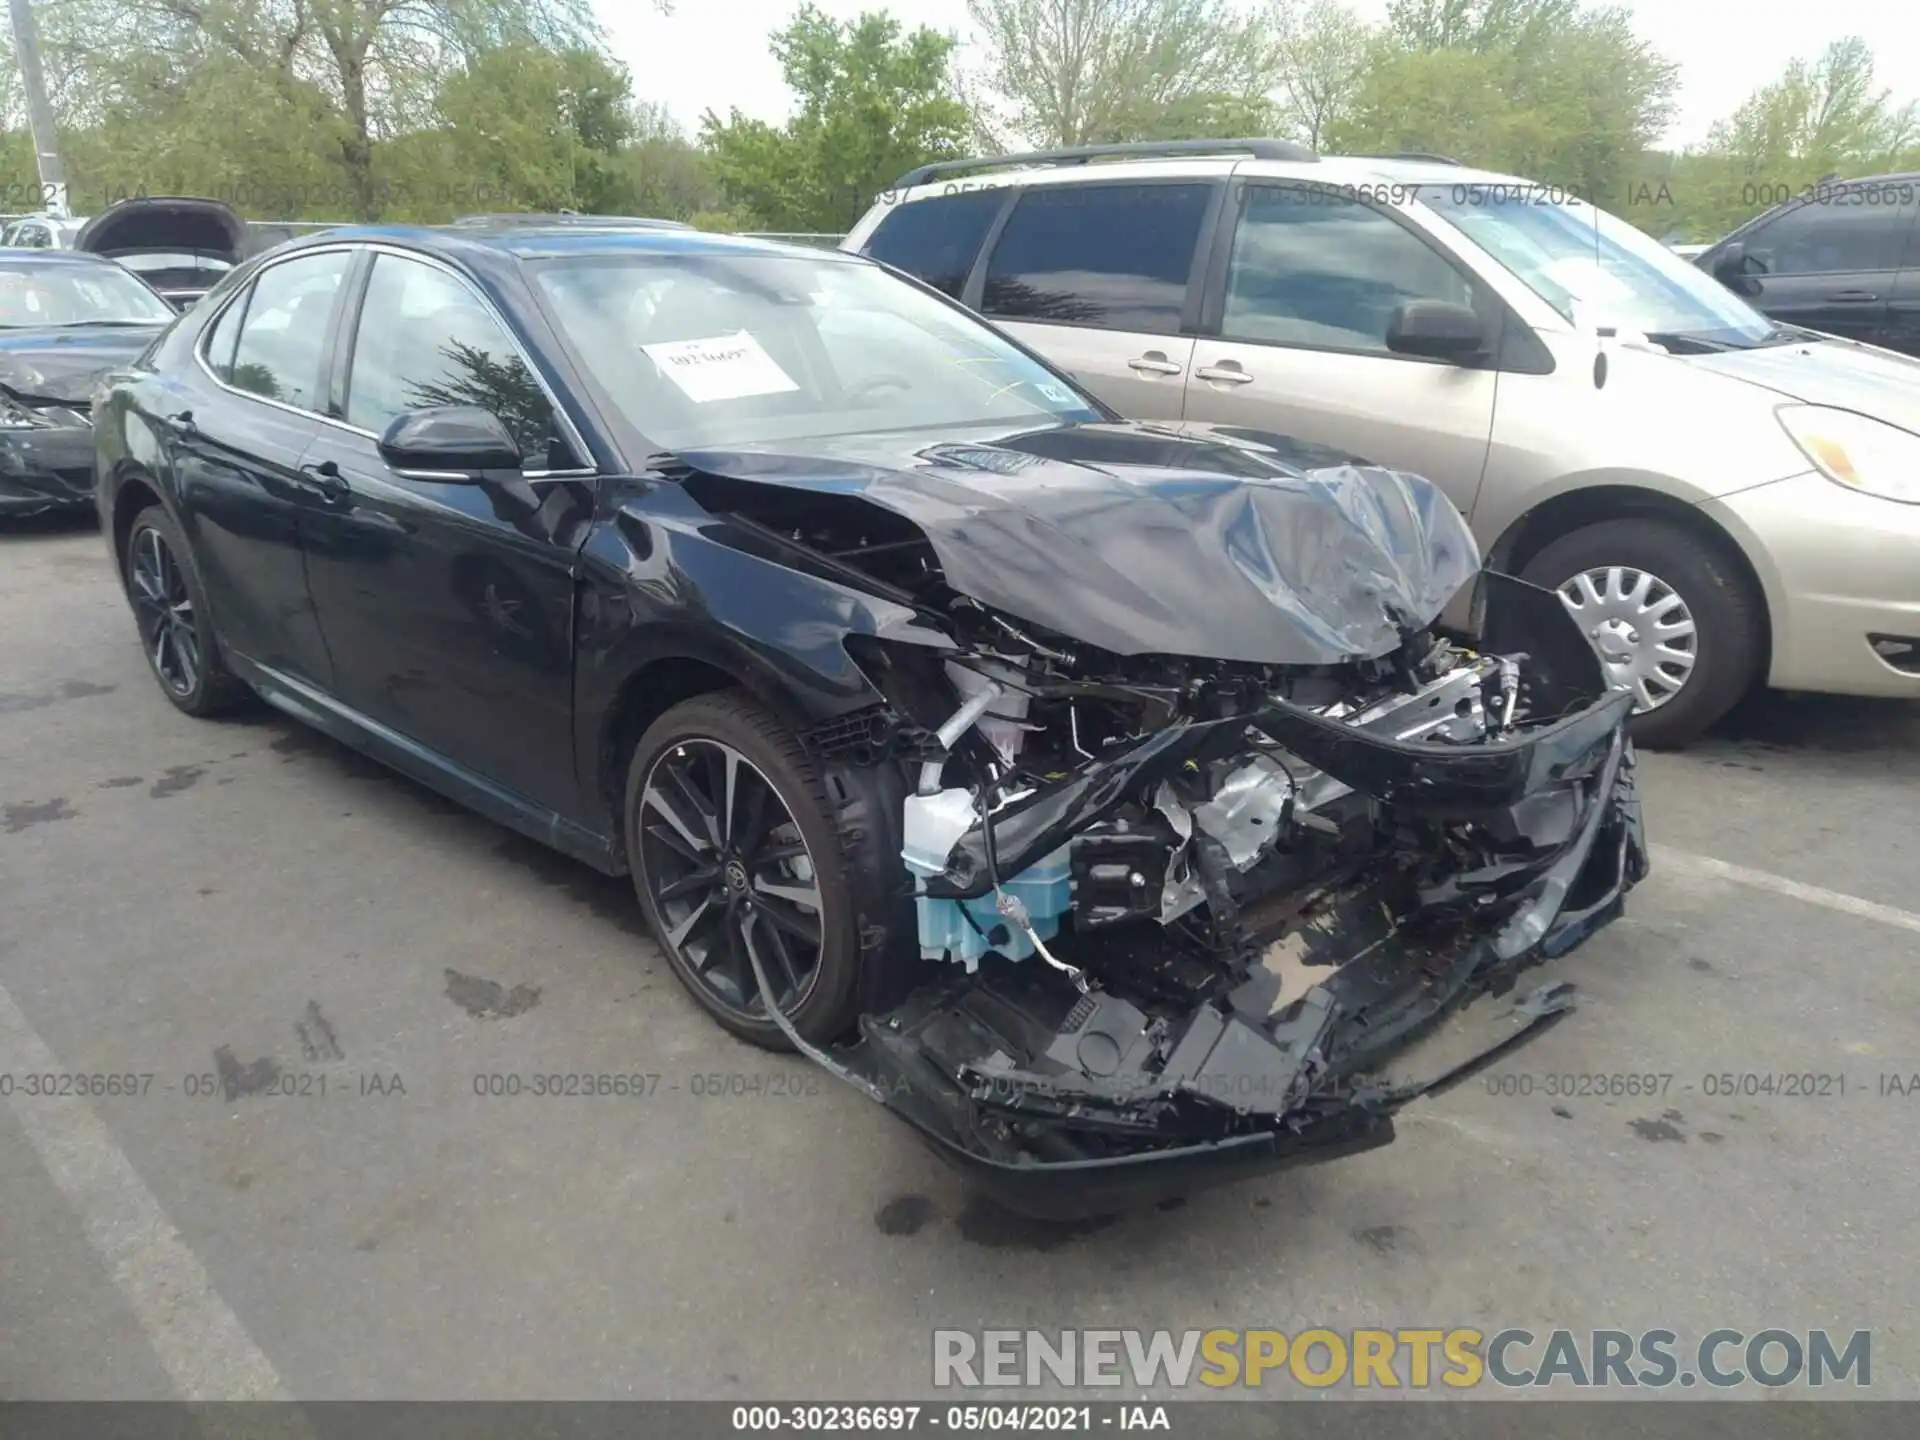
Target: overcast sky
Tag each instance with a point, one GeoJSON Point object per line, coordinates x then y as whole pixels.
{"type": "Point", "coordinates": [713, 53]}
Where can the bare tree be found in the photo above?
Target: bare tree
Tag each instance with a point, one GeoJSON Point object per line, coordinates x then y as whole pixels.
{"type": "Point", "coordinates": [1072, 72]}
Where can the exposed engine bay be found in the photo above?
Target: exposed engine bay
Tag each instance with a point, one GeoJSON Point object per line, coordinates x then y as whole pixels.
{"type": "Point", "coordinates": [1175, 915]}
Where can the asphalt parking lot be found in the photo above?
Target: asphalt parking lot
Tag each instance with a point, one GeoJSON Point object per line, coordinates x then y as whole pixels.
{"type": "Point", "coordinates": [247, 907]}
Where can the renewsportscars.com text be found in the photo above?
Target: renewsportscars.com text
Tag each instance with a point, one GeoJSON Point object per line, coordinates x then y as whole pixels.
{"type": "Point", "coordinates": [1408, 1358]}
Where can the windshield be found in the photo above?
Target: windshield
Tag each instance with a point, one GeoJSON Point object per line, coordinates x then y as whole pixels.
{"type": "Point", "coordinates": [1595, 269]}
{"type": "Point", "coordinates": [710, 350]}
{"type": "Point", "coordinates": [77, 295]}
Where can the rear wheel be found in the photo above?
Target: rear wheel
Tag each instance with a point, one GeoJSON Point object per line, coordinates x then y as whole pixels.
{"type": "Point", "coordinates": [170, 612]}
{"type": "Point", "coordinates": [734, 853]}
{"type": "Point", "coordinates": [1670, 616]}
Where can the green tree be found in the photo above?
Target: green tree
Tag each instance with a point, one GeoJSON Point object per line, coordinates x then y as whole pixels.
{"type": "Point", "coordinates": [1321, 50]}
{"type": "Point", "coordinates": [1540, 88]}
{"type": "Point", "coordinates": [873, 103]}
{"type": "Point", "coordinates": [1077, 72]}
{"type": "Point", "coordinates": [374, 65]}
{"type": "Point", "coordinates": [532, 128]}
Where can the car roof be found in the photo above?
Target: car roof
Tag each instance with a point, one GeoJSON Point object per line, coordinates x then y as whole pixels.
{"type": "Point", "coordinates": [539, 242]}
{"type": "Point", "coordinates": [1322, 170]}
{"type": "Point", "coordinates": [28, 255]}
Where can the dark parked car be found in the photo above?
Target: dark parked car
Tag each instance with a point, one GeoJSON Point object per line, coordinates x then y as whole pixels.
{"type": "Point", "coordinates": [1841, 257]}
{"type": "Point", "coordinates": [1024, 767]}
{"type": "Point", "coordinates": [65, 321]}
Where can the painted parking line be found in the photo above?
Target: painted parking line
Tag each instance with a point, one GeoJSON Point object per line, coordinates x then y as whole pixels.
{"type": "Point", "coordinates": [1686, 862]}
{"type": "Point", "coordinates": [198, 1339]}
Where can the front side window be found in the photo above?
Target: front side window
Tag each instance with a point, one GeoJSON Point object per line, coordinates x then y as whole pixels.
{"type": "Point", "coordinates": [1596, 269]}
{"type": "Point", "coordinates": [1848, 230]}
{"type": "Point", "coordinates": [424, 340]}
{"type": "Point", "coordinates": [283, 337]}
{"type": "Point", "coordinates": [1114, 257]}
{"type": "Point", "coordinates": [700, 349]}
{"type": "Point", "coordinates": [1325, 272]}
{"type": "Point", "coordinates": [937, 239]}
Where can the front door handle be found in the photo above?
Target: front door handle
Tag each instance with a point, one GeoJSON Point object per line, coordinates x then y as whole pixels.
{"type": "Point", "coordinates": [327, 479]}
{"type": "Point", "coordinates": [1853, 295]}
{"type": "Point", "coordinates": [1154, 362]}
{"type": "Point", "coordinates": [1226, 371]}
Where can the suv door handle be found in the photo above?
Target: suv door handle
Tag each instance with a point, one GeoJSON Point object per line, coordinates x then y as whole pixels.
{"type": "Point", "coordinates": [1853, 295]}
{"type": "Point", "coordinates": [327, 479]}
{"type": "Point", "coordinates": [1226, 370]}
{"type": "Point", "coordinates": [1154, 362]}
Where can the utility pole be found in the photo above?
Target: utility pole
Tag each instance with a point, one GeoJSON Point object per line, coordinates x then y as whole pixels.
{"type": "Point", "coordinates": [46, 144]}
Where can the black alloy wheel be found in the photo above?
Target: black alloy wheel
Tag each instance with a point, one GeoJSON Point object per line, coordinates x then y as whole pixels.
{"type": "Point", "coordinates": [729, 868]}
{"type": "Point", "coordinates": [164, 610]}
{"type": "Point", "coordinates": [170, 612]}
{"type": "Point", "coordinates": [736, 857]}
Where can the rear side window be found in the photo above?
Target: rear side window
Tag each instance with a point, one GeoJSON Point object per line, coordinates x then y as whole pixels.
{"type": "Point", "coordinates": [1115, 257]}
{"type": "Point", "coordinates": [284, 335]}
{"type": "Point", "coordinates": [1856, 229]}
{"type": "Point", "coordinates": [937, 239]}
{"type": "Point", "coordinates": [220, 340]}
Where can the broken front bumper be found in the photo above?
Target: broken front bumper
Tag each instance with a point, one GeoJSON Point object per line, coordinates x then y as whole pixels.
{"type": "Point", "coordinates": [1047, 1109]}
{"type": "Point", "coordinates": [47, 468]}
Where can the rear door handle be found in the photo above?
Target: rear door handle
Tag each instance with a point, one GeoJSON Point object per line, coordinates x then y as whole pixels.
{"type": "Point", "coordinates": [1853, 295]}
{"type": "Point", "coordinates": [327, 479]}
{"type": "Point", "coordinates": [1231, 374]}
{"type": "Point", "coordinates": [1154, 363]}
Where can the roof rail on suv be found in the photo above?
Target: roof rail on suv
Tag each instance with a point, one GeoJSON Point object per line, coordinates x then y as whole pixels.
{"type": "Point", "coordinates": [567, 217]}
{"type": "Point", "coordinates": [1416, 155]}
{"type": "Point", "coordinates": [1132, 149]}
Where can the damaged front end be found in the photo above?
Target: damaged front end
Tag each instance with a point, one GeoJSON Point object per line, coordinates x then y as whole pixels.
{"type": "Point", "coordinates": [1182, 919]}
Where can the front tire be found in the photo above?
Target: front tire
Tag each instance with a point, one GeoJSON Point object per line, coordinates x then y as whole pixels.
{"type": "Point", "coordinates": [1671, 617]}
{"type": "Point", "coordinates": [731, 844]}
{"type": "Point", "coordinates": [176, 628]}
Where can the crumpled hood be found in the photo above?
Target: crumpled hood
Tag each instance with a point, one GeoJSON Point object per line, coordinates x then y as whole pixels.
{"type": "Point", "coordinates": [1842, 373]}
{"type": "Point", "coordinates": [63, 365]}
{"type": "Point", "coordinates": [1141, 541]}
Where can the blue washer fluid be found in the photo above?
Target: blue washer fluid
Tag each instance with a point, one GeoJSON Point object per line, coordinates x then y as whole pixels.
{"type": "Point", "coordinates": [1045, 887]}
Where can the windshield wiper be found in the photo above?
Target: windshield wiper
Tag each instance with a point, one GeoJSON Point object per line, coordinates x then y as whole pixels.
{"type": "Point", "coordinates": [78, 324]}
{"type": "Point", "coordinates": [1690, 344]}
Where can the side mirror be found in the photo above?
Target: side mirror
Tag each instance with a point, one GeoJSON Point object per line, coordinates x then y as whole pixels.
{"type": "Point", "coordinates": [1733, 269]}
{"type": "Point", "coordinates": [1437, 329]}
{"type": "Point", "coordinates": [451, 443]}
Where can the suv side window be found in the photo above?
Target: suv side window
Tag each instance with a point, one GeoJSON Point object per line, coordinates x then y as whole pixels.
{"type": "Point", "coordinates": [424, 339]}
{"type": "Point", "coordinates": [1114, 257]}
{"type": "Point", "coordinates": [937, 239]}
{"type": "Point", "coordinates": [1324, 271]}
{"type": "Point", "coordinates": [283, 337]}
{"type": "Point", "coordinates": [1832, 233]}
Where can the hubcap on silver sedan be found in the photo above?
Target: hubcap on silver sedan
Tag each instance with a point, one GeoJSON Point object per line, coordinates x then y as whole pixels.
{"type": "Point", "coordinates": [1641, 629]}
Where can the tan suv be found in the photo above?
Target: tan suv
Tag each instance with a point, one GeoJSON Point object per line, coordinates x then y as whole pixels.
{"type": "Point", "coordinates": [1720, 500]}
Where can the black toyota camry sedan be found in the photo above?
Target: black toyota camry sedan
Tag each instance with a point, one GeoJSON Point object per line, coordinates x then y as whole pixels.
{"type": "Point", "coordinates": [1109, 801]}
{"type": "Point", "coordinates": [65, 320]}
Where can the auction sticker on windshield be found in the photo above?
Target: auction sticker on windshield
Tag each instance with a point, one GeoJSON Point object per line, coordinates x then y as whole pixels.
{"type": "Point", "coordinates": [723, 367]}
